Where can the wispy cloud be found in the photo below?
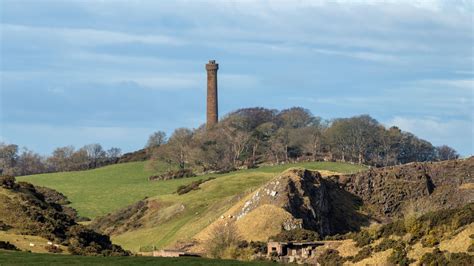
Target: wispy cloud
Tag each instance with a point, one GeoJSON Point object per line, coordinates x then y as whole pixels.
{"type": "Point", "coordinates": [87, 37]}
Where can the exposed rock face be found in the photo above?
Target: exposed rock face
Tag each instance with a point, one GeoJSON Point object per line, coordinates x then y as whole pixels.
{"type": "Point", "coordinates": [390, 192]}
{"type": "Point", "coordinates": [314, 202]}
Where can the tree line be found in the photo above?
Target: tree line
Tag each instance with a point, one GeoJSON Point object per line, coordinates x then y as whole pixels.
{"type": "Point", "coordinates": [16, 162]}
{"type": "Point", "coordinates": [246, 138]}
{"type": "Point", "coordinates": [251, 136]}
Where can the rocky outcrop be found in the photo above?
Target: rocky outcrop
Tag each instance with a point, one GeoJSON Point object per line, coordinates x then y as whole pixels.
{"type": "Point", "coordinates": [315, 203]}
{"type": "Point", "coordinates": [391, 192]}
{"type": "Point", "coordinates": [24, 210]}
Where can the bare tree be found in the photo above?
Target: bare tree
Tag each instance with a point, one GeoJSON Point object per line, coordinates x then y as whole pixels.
{"type": "Point", "coordinates": [96, 154]}
{"type": "Point", "coordinates": [61, 158]}
{"type": "Point", "coordinates": [156, 139]}
{"type": "Point", "coordinates": [114, 153]}
{"type": "Point", "coordinates": [177, 149]}
{"type": "Point", "coordinates": [222, 236]}
{"type": "Point", "coordinates": [30, 163]}
{"type": "Point", "coordinates": [445, 152]}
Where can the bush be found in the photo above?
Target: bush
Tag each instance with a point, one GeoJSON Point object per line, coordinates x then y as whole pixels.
{"type": "Point", "coordinates": [8, 182]}
{"type": "Point", "coordinates": [399, 256]}
{"type": "Point", "coordinates": [431, 239]}
{"type": "Point", "coordinates": [362, 238]}
{"type": "Point", "coordinates": [434, 258]}
{"type": "Point", "coordinates": [4, 226]}
{"type": "Point", "coordinates": [84, 241]}
{"type": "Point", "coordinates": [8, 246]}
{"type": "Point", "coordinates": [259, 247]}
{"type": "Point", "coordinates": [330, 257]}
{"type": "Point", "coordinates": [53, 249]}
{"type": "Point", "coordinates": [461, 259]}
{"type": "Point", "coordinates": [386, 244]}
{"type": "Point", "coordinates": [438, 257]}
{"type": "Point", "coordinates": [394, 228]}
{"type": "Point", "coordinates": [183, 189]}
{"type": "Point", "coordinates": [365, 252]}
{"type": "Point", "coordinates": [177, 174]}
{"type": "Point", "coordinates": [222, 241]}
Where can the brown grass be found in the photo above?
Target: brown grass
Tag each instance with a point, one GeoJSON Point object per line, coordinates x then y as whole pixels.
{"type": "Point", "coordinates": [460, 242]}
{"type": "Point", "coordinates": [264, 221]}
{"type": "Point", "coordinates": [23, 242]}
{"type": "Point", "coordinates": [467, 186]}
{"type": "Point", "coordinates": [379, 258]}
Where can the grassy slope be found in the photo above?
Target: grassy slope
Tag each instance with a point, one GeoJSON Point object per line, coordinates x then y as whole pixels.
{"type": "Point", "coordinates": [24, 258]}
{"type": "Point", "coordinates": [97, 192]}
{"type": "Point", "coordinates": [100, 191]}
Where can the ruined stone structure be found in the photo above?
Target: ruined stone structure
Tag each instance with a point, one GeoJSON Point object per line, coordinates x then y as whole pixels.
{"type": "Point", "coordinates": [212, 114]}
{"type": "Point", "coordinates": [292, 251]}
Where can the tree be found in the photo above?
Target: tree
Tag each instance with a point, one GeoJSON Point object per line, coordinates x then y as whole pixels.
{"type": "Point", "coordinates": [114, 153]}
{"type": "Point", "coordinates": [30, 163]}
{"type": "Point", "coordinates": [445, 152]}
{"type": "Point", "coordinates": [222, 236]}
{"type": "Point", "coordinates": [61, 159]}
{"type": "Point", "coordinates": [96, 154]}
{"type": "Point", "coordinates": [156, 139]}
{"type": "Point", "coordinates": [295, 117]}
{"type": "Point", "coordinates": [8, 158]}
{"type": "Point", "coordinates": [177, 149]}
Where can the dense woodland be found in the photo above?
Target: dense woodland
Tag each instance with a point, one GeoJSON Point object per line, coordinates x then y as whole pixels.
{"type": "Point", "coordinates": [246, 138]}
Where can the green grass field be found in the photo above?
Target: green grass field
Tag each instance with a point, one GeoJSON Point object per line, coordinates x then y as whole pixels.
{"type": "Point", "coordinates": [178, 217]}
{"type": "Point", "coordinates": [24, 258]}
{"type": "Point", "coordinates": [100, 191]}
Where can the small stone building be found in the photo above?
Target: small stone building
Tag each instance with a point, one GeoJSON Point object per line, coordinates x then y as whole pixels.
{"type": "Point", "coordinates": [292, 250]}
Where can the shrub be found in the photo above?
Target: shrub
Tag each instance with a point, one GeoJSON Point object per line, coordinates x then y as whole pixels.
{"type": "Point", "coordinates": [4, 226]}
{"type": "Point", "coordinates": [394, 228]}
{"type": "Point", "coordinates": [431, 239]}
{"type": "Point", "coordinates": [8, 182]}
{"type": "Point", "coordinates": [461, 259]}
{"type": "Point", "coordinates": [434, 258]}
{"type": "Point", "coordinates": [362, 238]}
{"type": "Point", "coordinates": [365, 252]}
{"type": "Point", "coordinates": [438, 257]}
{"type": "Point", "coordinates": [470, 248]}
{"type": "Point", "coordinates": [386, 243]}
{"type": "Point", "coordinates": [176, 174]}
{"type": "Point", "coordinates": [399, 256]}
{"type": "Point", "coordinates": [259, 247]}
{"type": "Point", "coordinates": [183, 189]}
{"type": "Point", "coordinates": [84, 241]}
{"type": "Point", "coordinates": [53, 249]}
{"type": "Point", "coordinates": [8, 246]}
{"type": "Point", "coordinates": [223, 238]}
{"type": "Point", "coordinates": [330, 257]}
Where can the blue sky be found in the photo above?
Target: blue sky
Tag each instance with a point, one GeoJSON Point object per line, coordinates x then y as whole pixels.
{"type": "Point", "coordinates": [113, 72]}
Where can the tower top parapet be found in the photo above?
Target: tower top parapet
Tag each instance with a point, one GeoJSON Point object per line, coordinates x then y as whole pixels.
{"type": "Point", "coordinates": [212, 65]}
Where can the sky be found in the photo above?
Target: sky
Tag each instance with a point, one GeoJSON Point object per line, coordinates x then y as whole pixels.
{"type": "Point", "coordinates": [113, 72]}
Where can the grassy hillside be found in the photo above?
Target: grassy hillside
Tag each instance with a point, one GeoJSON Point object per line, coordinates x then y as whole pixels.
{"type": "Point", "coordinates": [24, 258]}
{"type": "Point", "coordinates": [100, 191]}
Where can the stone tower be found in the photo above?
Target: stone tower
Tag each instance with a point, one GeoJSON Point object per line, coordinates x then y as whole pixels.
{"type": "Point", "coordinates": [212, 114]}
